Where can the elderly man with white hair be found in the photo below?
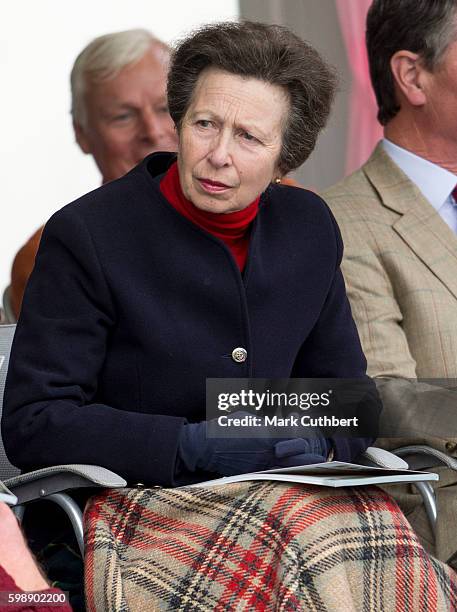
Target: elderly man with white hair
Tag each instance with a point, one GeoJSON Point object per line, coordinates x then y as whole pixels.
{"type": "Point", "coordinates": [120, 115]}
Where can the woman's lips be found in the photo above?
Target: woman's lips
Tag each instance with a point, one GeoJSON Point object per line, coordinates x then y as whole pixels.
{"type": "Point", "coordinates": [213, 186]}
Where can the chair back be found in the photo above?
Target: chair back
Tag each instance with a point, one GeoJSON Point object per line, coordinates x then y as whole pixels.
{"type": "Point", "coordinates": [7, 470]}
{"type": "Point", "coordinates": [7, 308]}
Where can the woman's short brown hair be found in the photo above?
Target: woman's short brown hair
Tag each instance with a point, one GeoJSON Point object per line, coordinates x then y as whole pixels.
{"type": "Point", "coordinates": [270, 53]}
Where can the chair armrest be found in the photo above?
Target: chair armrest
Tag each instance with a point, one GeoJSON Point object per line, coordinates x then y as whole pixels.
{"type": "Point", "coordinates": [46, 481]}
{"type": "Point", "coordinates": [382, 458]}
{"type": "Point", "coordinates": [431, 457]}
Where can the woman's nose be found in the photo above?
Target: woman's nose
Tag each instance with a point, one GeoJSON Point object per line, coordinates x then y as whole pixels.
{"type": "Point", "coordinates": [220, 154]}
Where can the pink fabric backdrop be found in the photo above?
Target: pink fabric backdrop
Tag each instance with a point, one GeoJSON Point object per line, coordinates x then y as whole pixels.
{"type": "Point", "coordinates": [363, 128]}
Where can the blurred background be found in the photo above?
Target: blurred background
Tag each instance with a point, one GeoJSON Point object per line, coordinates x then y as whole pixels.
{"type": "Point", "coordinates": [43, 169]}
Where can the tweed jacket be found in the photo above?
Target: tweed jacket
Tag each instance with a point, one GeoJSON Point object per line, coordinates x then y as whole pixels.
{"type": "Point", "coordinates": [131, 307]}
{"type": "Point", "coordinates": [400, 268]}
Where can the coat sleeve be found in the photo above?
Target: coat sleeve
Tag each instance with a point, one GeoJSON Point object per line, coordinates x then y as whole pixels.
{"type": "Point", "coordinates": [50, 417]}
{"type": "Point", "coordinates": [377, 313]}
{"type": "Point", "coordinates": [414, 412]}
{"type": "Point", "coordinates": [333, 350]}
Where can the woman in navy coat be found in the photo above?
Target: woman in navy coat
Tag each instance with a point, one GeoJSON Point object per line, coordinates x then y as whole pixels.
{"type": "Point", "coordinates": [190, 267]}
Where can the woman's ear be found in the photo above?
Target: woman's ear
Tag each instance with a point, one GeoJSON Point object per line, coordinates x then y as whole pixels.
{"type": "Point", "coordinates": [409, 73]}
{"type": "Point", "coordinates": [277, 175]}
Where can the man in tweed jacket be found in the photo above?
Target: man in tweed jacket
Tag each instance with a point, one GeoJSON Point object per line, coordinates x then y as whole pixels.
{"type": "Point", "coordinates": [398, 219]}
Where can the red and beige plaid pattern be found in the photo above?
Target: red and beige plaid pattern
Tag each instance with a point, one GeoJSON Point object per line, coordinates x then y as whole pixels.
{"type": "Point", "coordinates": [258, 546]}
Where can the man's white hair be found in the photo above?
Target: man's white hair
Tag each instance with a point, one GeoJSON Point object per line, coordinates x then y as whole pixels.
{"type": "Point", "coordinates": [103, 59]}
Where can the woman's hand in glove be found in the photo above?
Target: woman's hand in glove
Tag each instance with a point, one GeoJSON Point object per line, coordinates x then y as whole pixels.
{"type": "Point", "coordinates": [230, 456]}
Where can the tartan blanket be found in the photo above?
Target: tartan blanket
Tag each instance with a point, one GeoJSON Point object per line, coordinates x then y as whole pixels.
{"type": "Point", "coordinates": [258, 546]}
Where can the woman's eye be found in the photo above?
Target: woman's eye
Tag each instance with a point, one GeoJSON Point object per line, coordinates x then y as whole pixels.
{"type": "Point", "coordinates": [249, 137]}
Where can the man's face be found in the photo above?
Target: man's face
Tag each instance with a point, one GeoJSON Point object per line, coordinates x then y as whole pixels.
{"type": "Point", "coordinates": [440, 90]}
{"type": "Point", "coordinates": [127, 116]}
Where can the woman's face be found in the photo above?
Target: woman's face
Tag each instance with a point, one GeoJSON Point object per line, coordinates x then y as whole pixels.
{"type": "Point", "coordinates": [230, 140]}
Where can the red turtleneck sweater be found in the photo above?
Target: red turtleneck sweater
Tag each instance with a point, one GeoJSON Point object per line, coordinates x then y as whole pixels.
{"type": "Point", "coordinates": [232, 228]}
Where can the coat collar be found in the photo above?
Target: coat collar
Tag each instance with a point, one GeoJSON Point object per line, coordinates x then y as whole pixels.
{"type": "Point", "coordinates": [418, 224]}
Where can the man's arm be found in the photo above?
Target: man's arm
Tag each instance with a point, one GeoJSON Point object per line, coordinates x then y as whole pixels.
{"type": "Point", "coordinates": [413, 412]}
{"type": "Point", "coordinates": [377, 314]}
{"type": "Point", "coordinates": [15, 556]}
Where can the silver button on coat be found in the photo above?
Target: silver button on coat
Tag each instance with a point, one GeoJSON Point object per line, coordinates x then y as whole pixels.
{"type": "Point", "coordinates": [239, 354]}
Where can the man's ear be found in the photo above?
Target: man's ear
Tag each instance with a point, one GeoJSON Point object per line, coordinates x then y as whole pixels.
{"type": "Point", "coordinates": [408, 73]}
{"type": "Point", "coordinates": [81, 137]}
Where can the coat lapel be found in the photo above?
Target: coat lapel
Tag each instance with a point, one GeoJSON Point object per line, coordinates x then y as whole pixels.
{"type": "Point", "coordinates": [419, 225]}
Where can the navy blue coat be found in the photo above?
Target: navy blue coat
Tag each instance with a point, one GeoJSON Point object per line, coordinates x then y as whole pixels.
{"type": "Point", "coordinates": [131, 306]}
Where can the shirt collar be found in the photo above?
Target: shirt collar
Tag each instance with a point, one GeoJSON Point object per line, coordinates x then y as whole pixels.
{"type": "Point", "coordinates": [434, 182]}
